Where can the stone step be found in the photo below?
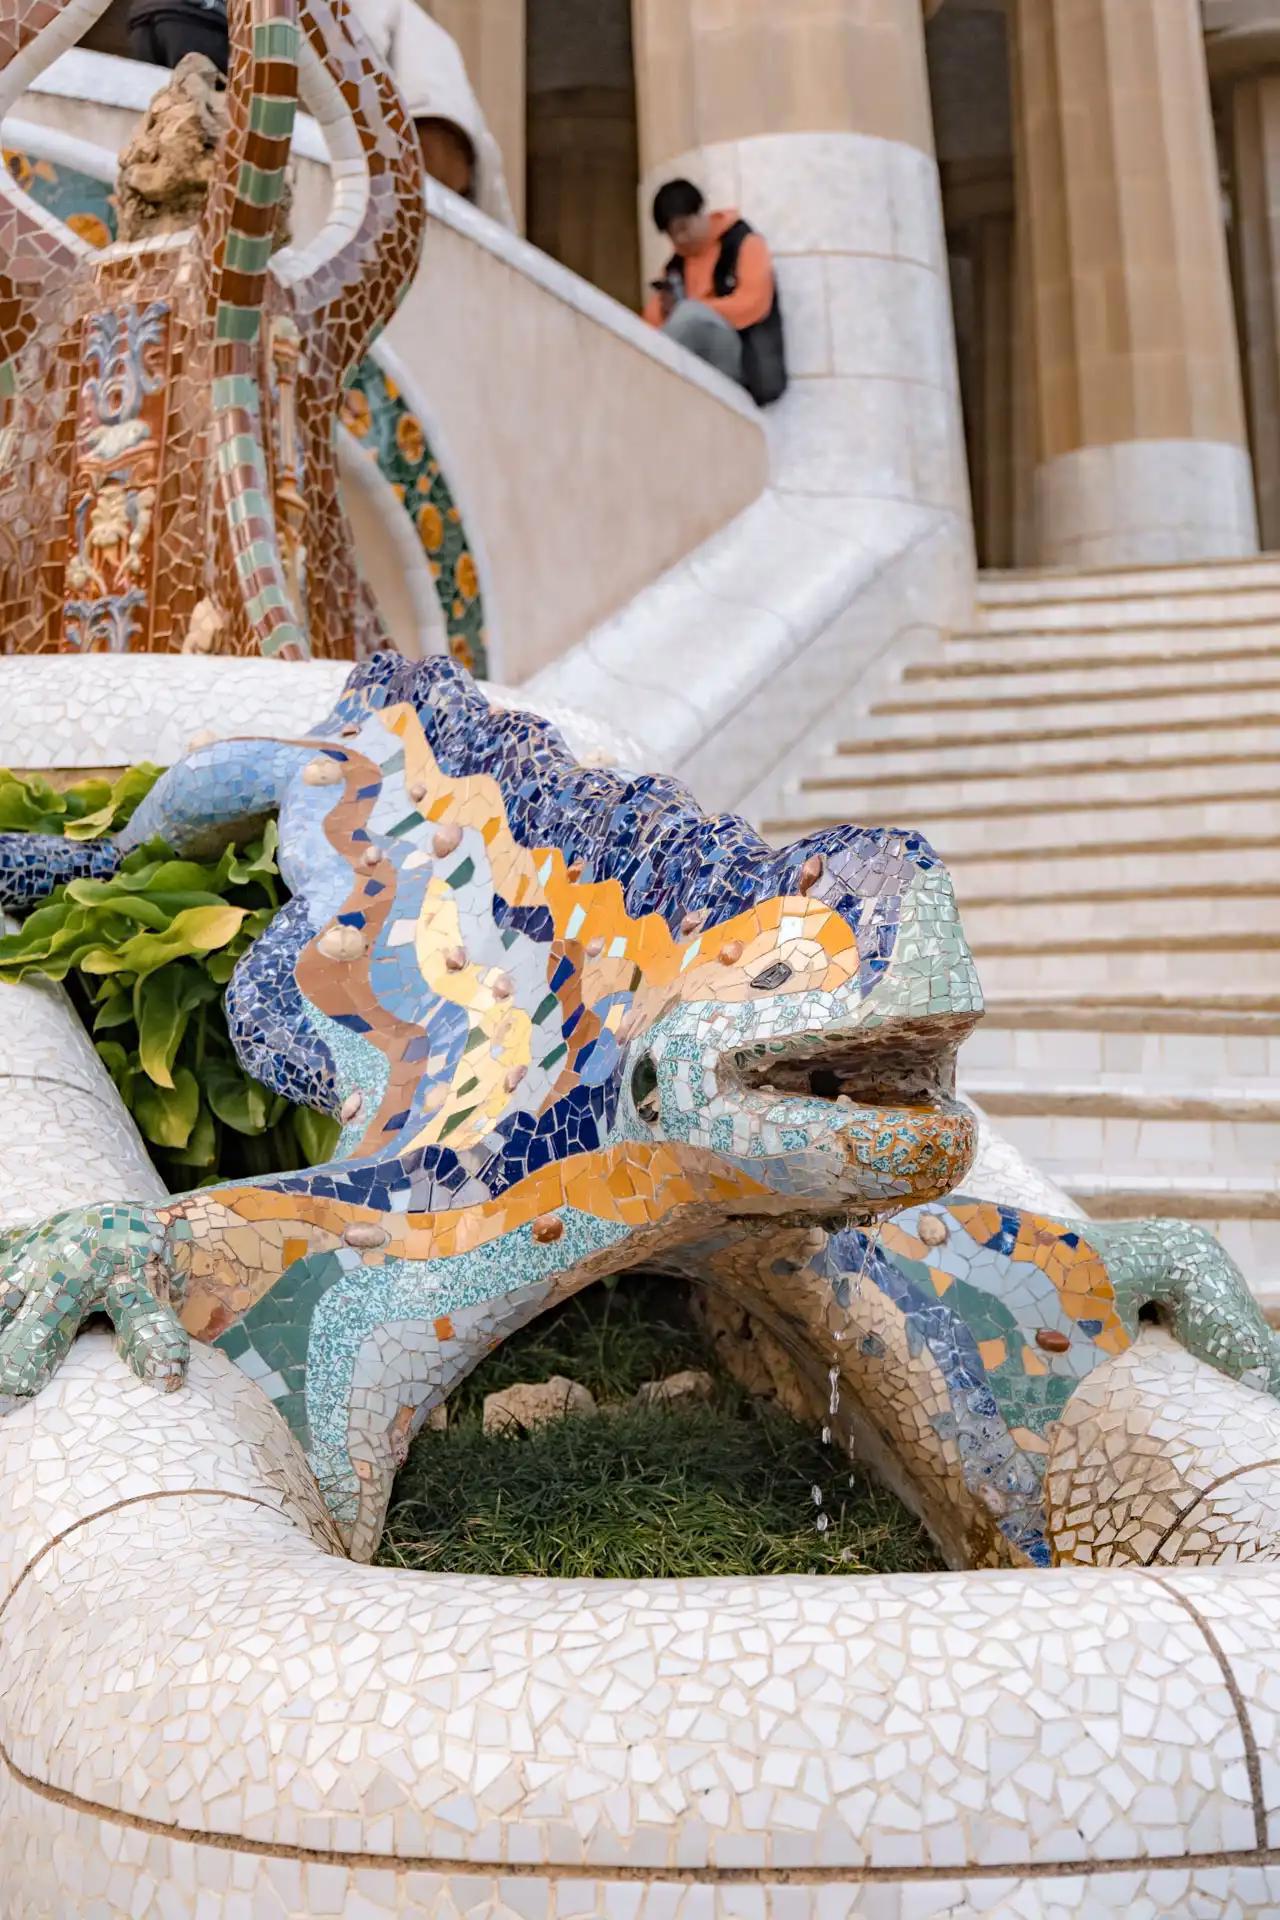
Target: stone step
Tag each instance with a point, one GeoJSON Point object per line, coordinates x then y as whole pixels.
{"type": "Point", "coordinates": [1117, 607]}
{"type": "Point", "coordinates": [1196, 1149]}
{"type": "Point", "coordinates": [1107, 686]}
{"type": "Point", "coordinates": [1127, 1193]}
{"type": "Point", "coordinates": [1188, 972]}
{"type": "Point", "coordinates": [896, 725]}
{"type": "Point", "coordinates": [1213, 577]}
{"type": "Point", "coordinates": [1215, 1007]}
{"type": "Point", "coordinates": [1122, 613]}
{"type": "Point", "coordinates": [1192, 825]}
{"type": "Point", "coordinates": [1044, 1056]}
{"type": "Point", "coordinates": [1016, 751]}
{"type": "Point", "coordinates": [1243, 1214]}
{"type": "Point", "coordinates": [1122, 1096]}
{"type": "Point", "coordinates": [976, 656]}
{"type": "Point", "coordinates": [1120, 871]}
{"type": "Point", "coordinates": [1088, 872]}
{"type": "Point", "coordinates": [1095, 926]}
{"type": "Point", "coordinates": [1038, 791]}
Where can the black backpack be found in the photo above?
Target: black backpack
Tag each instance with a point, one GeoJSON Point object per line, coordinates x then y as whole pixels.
{"type": "Point", "coordinates": [764, 358]}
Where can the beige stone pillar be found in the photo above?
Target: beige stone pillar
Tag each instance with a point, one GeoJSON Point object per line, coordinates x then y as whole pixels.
{"type": "Point", "coordinates": [490, 36]}
{"type": "Point", "coordinates": [1139, 421]}
{"type": "Point", "coordinates": [1255, 142]}
{"type": "Point", "coordinates": [993, 299]}
{"type": "Point", "coordinates": [813, 117]}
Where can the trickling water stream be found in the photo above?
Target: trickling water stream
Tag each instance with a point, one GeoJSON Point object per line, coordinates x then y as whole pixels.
{"type": "Point", "coordinates": [841, 1318]}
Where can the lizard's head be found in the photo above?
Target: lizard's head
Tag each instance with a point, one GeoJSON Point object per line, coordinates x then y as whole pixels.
{"type": "Point", "coordinates": [813, 1034]}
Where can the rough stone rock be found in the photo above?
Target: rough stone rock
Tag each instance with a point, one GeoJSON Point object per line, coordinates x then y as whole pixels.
{"type": "Point", "coordinates": [753, 1357]}
{"type": "Point", "coordinates": [207, 623]}
{"type": "Point", "coordinates": [167, 166]}
{"type": "Point", "coordinates": [532, 1404]}
{"type": "Point", "coordinates": [678, 1389]}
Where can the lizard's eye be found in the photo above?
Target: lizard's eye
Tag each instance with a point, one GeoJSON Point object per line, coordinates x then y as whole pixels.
{"type": "Point", "coordinates": [775, 976]}
{"type": "Point", "coordinates": [644, 1089]}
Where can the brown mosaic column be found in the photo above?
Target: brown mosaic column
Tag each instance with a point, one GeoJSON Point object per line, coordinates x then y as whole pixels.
{"type": "Point", "coordinates": [1139, 421]}
{"type": "Point", "coordinates": [1255, 142]}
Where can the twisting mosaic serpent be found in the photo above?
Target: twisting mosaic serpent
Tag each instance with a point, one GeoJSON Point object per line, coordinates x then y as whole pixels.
{"type": "Point", "coordinates": [573, 1025]}
{"type": "Point", "coordinates": [167, 470]}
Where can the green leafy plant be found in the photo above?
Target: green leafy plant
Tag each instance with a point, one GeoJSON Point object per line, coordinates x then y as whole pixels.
{"type": "Point", "coordinates": [83, 811]}
{"type": "Point", "coordinates": [147, 954]}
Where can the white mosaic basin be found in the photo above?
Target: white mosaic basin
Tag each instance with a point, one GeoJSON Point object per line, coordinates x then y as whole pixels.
{"type": "Point", "coordinates": [198, 1696]}
{"type": "Point", "coordinates": [206, 1713]}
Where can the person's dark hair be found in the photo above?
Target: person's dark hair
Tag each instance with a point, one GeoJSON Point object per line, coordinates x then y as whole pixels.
{"type": "Point", "coordinates": [676, 200]}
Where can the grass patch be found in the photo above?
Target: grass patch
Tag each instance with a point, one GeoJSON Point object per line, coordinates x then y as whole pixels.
{"type": "Point", "coordinates": [724, 1487]}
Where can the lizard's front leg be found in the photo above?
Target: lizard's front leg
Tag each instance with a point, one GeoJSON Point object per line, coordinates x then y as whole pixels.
{"type": "Point", "coordinates": [111, 1259]}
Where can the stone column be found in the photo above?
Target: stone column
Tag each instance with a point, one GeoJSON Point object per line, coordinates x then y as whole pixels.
{"type": "Point", "coordinates": [1255, 142]}
{"type": "Point", "coordinates": [993, 297]}
{"type": "Point", "coordinates": [1139, 421]}
{"type": "Point", "coordinates": [813, 117]}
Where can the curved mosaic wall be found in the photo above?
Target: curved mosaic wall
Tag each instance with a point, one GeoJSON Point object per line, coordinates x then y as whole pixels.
{"type": "Point", "coordinates": [379, 419]}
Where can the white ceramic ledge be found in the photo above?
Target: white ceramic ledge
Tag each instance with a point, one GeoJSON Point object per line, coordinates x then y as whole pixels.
{"type": "Point", "coordinates": [71, 710]}
{"type": "Point", "coordinates": [198, 1694]}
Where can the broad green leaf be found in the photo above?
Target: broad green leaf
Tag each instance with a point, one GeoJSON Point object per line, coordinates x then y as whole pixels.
{"type": "Point", "coordinates": [167, 1115]}
{"type": "Point", "coordinates": [254, 862]}
{"type": "Point", "coordinates": [115, 1012]}
{"type": "Point", "coordinates": [112, 1056]}
{"type": "Point", "coordinates": [31, 805]}
{"type": "Point", "coordinates": [114, 806]}
{"type": "Point", "coordinates": [202, 1148]}
{"type": "Point", "coordinates": [316, 1135]}
{"type": "Point", "coordinates": [220, 966]}
{"type": "Point", "coordinates": [196, 930]}
{"type": "Point", "coordinates": [238, 1101]}
{"type": "Point", "coordinates": [141, 908]}
{"type": "Point", "coordinates": [161, 1004]}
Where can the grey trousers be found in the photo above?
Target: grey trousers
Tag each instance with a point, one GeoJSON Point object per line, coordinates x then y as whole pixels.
{"type": "Point", "coordinates": [705, 333]}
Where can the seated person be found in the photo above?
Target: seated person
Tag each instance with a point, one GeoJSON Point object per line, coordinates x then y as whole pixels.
{"type": "Point", "coordinates": [717, 295]}
{"type": "Point", "coordinates": [162, 31]}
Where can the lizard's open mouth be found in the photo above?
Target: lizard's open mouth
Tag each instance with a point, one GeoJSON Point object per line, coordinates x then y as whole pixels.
{"type": "Point", "coordinates": [903, 1064]}
{"type": "Point", "coordinates": [892, 1114]}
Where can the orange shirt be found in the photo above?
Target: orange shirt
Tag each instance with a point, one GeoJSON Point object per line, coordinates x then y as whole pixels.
{"type": "Point", "coordinates": [750, 300]}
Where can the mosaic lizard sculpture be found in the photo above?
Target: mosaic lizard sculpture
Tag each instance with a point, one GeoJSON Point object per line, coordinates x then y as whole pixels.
{"type": "Point", "coordinates": [168, 474]}
{"type": "Point", "coordinates": [567, 1020]}
{"type": "Point", "coordinates": [572, 1025]}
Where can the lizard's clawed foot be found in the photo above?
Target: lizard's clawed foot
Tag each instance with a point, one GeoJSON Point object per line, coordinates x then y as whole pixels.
{"type": "Point", "coordinates": [102, 1259]}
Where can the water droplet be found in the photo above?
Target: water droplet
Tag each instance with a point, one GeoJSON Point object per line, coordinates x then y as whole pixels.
{"type": "Point", "coordinates": [822, 1523]}
{"type": "Point", "coordinates": [815, 1494]}
{"type": "Point", "coordinates": [826, 1436]}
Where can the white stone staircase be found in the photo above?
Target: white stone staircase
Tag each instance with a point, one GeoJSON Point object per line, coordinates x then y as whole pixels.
{"type": "Point", "coordinates": [1099, 764]}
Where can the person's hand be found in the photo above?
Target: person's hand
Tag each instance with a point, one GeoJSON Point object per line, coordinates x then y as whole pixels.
{"type": "Point", "coordinates": [666, 301]}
